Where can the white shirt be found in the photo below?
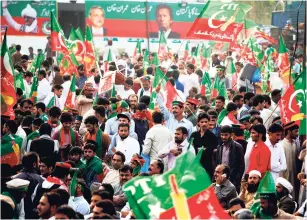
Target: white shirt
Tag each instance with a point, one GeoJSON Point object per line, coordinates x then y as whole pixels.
{"type": "Point", "coordinates": [278, 158]}
{"type": "Point", "coordinates": [79, 204]}
{"type": "Point", "coordinates": [156, 139]}
{"type": "Point", "coordinates": [27, 88]}
{"type": "Point", "coordinates": [43, 90]}
{"type": "Point", "coordinates": [112, 177]}
{"type": "Point", "coordinates": [58, 102]}
{"type": "Point", "coordinates": [171, 158]}
{"type": "Point", "coordinates": [144, 93]}
{"type": "Point", "coordinates": [129, 146]}
{"type": "Point", "coordinates": [267, 116]}
{"type": "Point", "coordinates": [189, 81]}
{"type": "Point", "coordinates": [21, 133]}
{"type": "Point", "coordinates": [226, 121]}
{"type": "Point", "coordinates": [124, 94]}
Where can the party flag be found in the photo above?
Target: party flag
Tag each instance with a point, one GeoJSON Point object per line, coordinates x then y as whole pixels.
{"type": "Point", "coordinates": [71, 97]}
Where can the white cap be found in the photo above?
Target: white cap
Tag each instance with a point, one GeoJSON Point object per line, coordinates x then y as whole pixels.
{"type": "Point", "coordinates": [18, 184]}
{"type": "Point", "coordinates": [285, 183]}
{"type": "Point", "coordinates": [29, 11]}
{"type": "Point", "coordinates": [254, 172]}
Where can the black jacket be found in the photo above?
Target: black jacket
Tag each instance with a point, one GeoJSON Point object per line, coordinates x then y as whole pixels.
{"type": "Point", "coordinates": [236, 161]}
{"type": "Point", "coordinates": [286, 204]}
{"type": "Point", "coordinates": [44, 147]}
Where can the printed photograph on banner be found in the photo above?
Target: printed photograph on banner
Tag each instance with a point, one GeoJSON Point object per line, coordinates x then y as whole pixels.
{"type": "Point", "coordinates": [27, 17]}
{"type": "Point", "coordinates": [116, 18]}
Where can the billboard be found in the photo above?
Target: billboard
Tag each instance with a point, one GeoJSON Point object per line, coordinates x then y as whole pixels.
{"type": "Point", "coordinates": [27, 17]}
{"type": "Point", "coordinates": [140, 19]}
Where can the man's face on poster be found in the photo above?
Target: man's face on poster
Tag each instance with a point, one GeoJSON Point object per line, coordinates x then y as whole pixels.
{"type": "Point", "coordinates": [164, 19]}
{"type": "Point", "coordinates": [97, 17]}
{"type": "Point", "coordinates": [28, 20]}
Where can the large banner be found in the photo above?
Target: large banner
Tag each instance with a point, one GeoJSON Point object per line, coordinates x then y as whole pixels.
{"type": "Point", "coordinates": [27, 17]}
{"type": "Point", "coordinates": [140, 19]}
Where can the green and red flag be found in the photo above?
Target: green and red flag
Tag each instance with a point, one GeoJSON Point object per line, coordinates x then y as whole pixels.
{"type": "Point", "coordinates": [219, 21]}
{"type": "Point", "coordinates": [33, 92]}
{"type": "Point", "coordinates": [262, 35]}
{"type": "Point", "coordinates": [284, 63]}
{"type": "Point", "coordinates": [11, 149]}
{"type": "Point", "coordinates": [76, 45]}
{"type": "Point", "coordinates": [67, 63]}
{"type": "Point", "coordinates": [70, 102]}
{"type": "Point", "coordinates": [184, 192]}
{"type": "Point", "coordinates": [186, 51]}
{"type": "Point", "coordinates": [8, 94]}
{"type": "Point", "coordinates": [107, 61]}
{"type": "Point", "coordinates": [195, 55]}
{"type": "Point", "coordinates": [37, 62]}
{"type": "Point", "coordinates": [58, 40]}
{"type": "Point", "coordinates": [158, 78]}
{"type": "Point", "coordinates": [89, 57]}
{"type": "Point", "coordinates": [215, 89]}
{"type": "Point", "coordinates": [79, 34]}
{"type": "Point", "coordinates": [162, 45]}
{"type": "Point", "coordinates": [293, 103]}
{"type": "Point", "coordinates": [205, 88]}
{"type": "Point", "coordinates": [205, 55]}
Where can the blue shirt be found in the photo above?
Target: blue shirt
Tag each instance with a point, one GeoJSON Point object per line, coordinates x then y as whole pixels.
{"type": "Point", "coordinates": [179, 85]}
{"type": "Point", "coordinates": [81, 81]}
{"type": "Point", "coordinates": [171, 122]}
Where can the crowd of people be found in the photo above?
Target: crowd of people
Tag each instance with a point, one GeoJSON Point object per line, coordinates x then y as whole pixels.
{"type": "Point", "coordinates": [107, 140]}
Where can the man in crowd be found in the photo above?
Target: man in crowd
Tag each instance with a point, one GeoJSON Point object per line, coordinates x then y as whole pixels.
{"type": "Point", "coordinates": [249, 187]}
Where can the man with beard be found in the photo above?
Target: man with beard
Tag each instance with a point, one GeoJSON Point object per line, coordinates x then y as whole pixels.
{"type": "Point", "coordinates": [48, 205]}
{"type": "Point", "coordinates": [66, 135]}
{"type": "Point", "coordinates": [85, 100]}
{"type": "Point", "coordinates": [126, 144]}
{"type": "Point", "coordinates": [30, 162]}
{"type": "Point", "coordinates": [119, 198]}
{"type": "Point", "coordinates": [36, 123]}
{"type": "Point", "coordinates": [206, 139]}
{"type": "Point", "coordinates": [133, 101]}
{"type": "Point", "coordinates": [75, 154]}
{"type": "Point", "coordinates": [231, 154]}
{"type": "Point", "coordinates": [191, 110]}
{"type": "Point", "coordinates": [39, 111]}
{"type": "Point", "coordinates": [283, 190]}
{"type": "Point", "coordinates": [54, 97]}
{"type": "Point", "coordinates": [16, 190]}
{"type": "Point", "coordinates": [176, 118]}
{"type": "Point", "coordinates": [176, 147]}
{"type": "Point", "coordinates": [249, 188]}
{"type": "Point", "coordinates": [290, 147]}
{"type": "Point", "coordinates": [95, 134]}
{"type": "Point", "coordinates": [156, 167]}
{"type": "Point", "coordinates": [94, 167]}
{"type": "Point", "coordinates": [54, 116]}
{"type": "Point", "coordinates": [269, 208]}
{"type": "Point", "coordinates": [145, 90]}
{"type": "Point", "coordinates": [224, 189]}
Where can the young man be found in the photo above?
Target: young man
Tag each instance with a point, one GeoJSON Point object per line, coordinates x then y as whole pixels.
{"type": "Point", "coordinates": [44, 87]}
{"type": "Point", "coordinates": [157, 137]}
{"type": "Point", "coordinates": [95, 134]}
{"type": "Point", "coordinates": [260, 154]}
{"type": "Point", "coordinates": [230, 118]}
{"type": "Point", "coordinates": [11, 144]}
{"type": "Point", "coordinates": [191, 110]}
{"type": "Point", "coordinates": [278, 158]}
{"type": "Point", "coordinates": [36, 123]}
{"type": "Point", "coordinates": [176, 147]}
{"type": "Point", "coordinates": [189, 80]}
{"type": "Point", "coordinates": [75, 154]}
{"type": "Point", "coordinates": [66, 135]}
{"type": "Point", "coordinates": [126, 144]}
{"type": "Point", "coordinates": [205, 138]}
{"type": "Point", "coordinates": [54, 97]}
{"type": "Point", "coordinates": [231, 154]}
{"type": "Point", "coordinates": [219, 103]}
{"type": "Point", "coordinates": [46, 166]}
{"type": "Point", "coordinates": [78, 202]}
{"type": "Point", "coordinates": [27, 81]}
{"type": "Point", "coordinates": [39, 111]}
{"type": "Point", "coordinates": [94, 167]}
{"type": "Point", "coordinates": [54, 116]}
{"type": "Point", "coordinates": [246, 106]}
{"type": "Point", "coordinates": [145, 90]}
{"type": "Point", "coordinates": [112, 176]}
{"type": "Point", "coordinates": [124, 91]}
{"type": "Point", "coordinates": [176, 118]}
{"type": "Point", "coordinates": [48, 205]}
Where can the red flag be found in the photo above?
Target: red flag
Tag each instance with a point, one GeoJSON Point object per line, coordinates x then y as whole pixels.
{"type": "Point", "coordinates": [171, 94]}
{"type": "Point", "coordinates": [89, 57]}
{"type": "Point", "coordinates": [8, 94]}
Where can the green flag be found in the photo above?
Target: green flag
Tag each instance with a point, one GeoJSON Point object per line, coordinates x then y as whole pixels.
{"type": "Point", "coordinates": [176, 193]}
{"type": "Point", "coordinates": [159, 78]}
{"type": "Point", "coordinates": [73, 184]}
{"type": "Point", "coordinates": [155, 61]}
{"type": "Point", "coordinates": [231, 69]}
{"type": "Point", "coordinates": [113, 92]}
{"type": "Point", "coordinates": [33, 92]}
{"type": "Point", "coordinates": [37, 62]}
{"type": "Point", "coordinates": [18, 81]}
{"type": "Point", "coordinates": [79, 34]}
